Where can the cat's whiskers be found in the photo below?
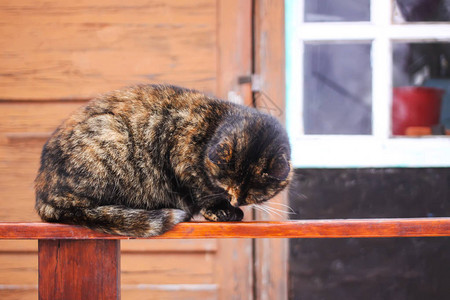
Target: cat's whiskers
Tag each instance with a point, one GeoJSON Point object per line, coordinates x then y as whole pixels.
{"type": "Point", "coordinates": [259, 208]}
{"type": "Point", "coordinates": [273, 209]}
{"type": "Point", "coordinates": [296, 194]}
{"type": "Point", "coordinates": [282, 204]}
{"type": "Point", "coordinates": [264, 209]}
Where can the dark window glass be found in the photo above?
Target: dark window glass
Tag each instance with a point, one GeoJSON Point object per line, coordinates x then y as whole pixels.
{"type": "Point", "coordinates": [422, 11]}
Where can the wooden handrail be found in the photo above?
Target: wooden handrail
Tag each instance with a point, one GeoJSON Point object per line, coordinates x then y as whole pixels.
{"type": "Point", "coordinates": [78, 263]}
{"type": "Point", "coordinates": [333, 228]}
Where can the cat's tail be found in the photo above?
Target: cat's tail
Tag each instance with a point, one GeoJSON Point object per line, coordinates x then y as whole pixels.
{"type": "Point", "coordinates": [115, 219]}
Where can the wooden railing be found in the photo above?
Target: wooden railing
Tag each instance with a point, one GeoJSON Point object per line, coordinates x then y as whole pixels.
{"type": "Point", "coordinates": [78, 263]}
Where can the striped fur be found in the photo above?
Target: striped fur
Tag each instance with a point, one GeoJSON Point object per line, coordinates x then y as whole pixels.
{"type": "Point", "coordinates": [139, 160]}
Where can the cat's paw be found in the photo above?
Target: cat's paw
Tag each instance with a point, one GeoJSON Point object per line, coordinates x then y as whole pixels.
{"type": "Point", "coordinates": [223, 215]}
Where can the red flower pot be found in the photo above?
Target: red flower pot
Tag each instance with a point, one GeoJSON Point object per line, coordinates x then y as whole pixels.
{"type": "Point", "coordinates": [415, 106]}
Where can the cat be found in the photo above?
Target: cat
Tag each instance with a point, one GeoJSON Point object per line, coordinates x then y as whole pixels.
{"type": "Point", "coordinates": [138, 161]}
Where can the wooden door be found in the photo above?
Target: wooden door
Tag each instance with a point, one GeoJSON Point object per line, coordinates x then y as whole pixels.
{"type": "Point", "coordinates": [54, 56]}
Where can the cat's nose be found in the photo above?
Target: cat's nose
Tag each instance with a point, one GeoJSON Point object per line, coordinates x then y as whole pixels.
{"type": "Point", "coordinates": [234, 201]}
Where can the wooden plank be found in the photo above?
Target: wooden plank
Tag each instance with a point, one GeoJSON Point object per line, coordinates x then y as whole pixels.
{"type": "Point", "coordinates": [169, 246]}
{"type": "Point", "coordinates": [234, 260]}
{"type": "Point", "coordinates": [70, 269]}
{"type": "Point", "coordinates": [127, 246]}
{"type": "Point", "coordinates": [334, 228]}
{"type": "Point", "coordinates": [19, 163]}
{"type": "Point", "coordinates": [271, 255]}
{"type": "Point", "coordinates": [34, 117]}
{"type": "Point", "coordinates": [234, 50]}
{"type": "Point", "coordinates": [167, 268]}
{"type": "Point", "coordinates": [172, 266]}
{"type": "Point", "coordinates": [18, 293]}
{"type": "Point", "coordinates": [18, 246]}
{"type": "Point", "coordinates": [62, 49]}
{"type": "Point", "coordinates": [18, 269]}
{"type": "Point", "coordinates": [131, 292]}
{"type": "Point", "coordinates": [165, 292]}
{"type": "Point", "coordinates": [24, 128]}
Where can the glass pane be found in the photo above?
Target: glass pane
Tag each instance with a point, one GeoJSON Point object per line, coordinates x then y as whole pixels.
{"type": "Point", "coordinates": [421, 11]}
{"type": "Point", "coordinates": [338, 87]}
{"type": "Point", "coordinates": [337, 10]}
{"type": "Point", "coordinates": [421, 101]}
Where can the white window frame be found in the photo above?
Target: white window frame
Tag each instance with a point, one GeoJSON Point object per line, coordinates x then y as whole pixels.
{"type": "Point", "coordinates": [379, 149]}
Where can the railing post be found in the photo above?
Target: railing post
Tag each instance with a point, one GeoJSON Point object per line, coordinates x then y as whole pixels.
{"type": "Point", "coordinates": [79, 269]}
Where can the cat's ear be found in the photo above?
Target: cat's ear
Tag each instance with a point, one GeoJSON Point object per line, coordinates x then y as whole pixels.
{"type": "Point", "coordinates": [220, 153]}
{"type": "Point", "coordinates": [279, 168]}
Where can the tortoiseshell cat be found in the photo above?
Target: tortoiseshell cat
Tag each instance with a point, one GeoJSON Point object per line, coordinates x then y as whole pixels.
{"type": "Point", "coordinates": [140, 160]}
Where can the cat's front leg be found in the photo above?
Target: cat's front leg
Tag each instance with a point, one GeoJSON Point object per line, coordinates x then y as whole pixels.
{"type": "Point", "coordinates": [222, 211]}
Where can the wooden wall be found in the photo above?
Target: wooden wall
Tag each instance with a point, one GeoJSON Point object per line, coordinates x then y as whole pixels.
{"type": "Point", "coordinates": [271, 255]}
{"type": "Point", "coordinates": [76, 49]}
{"type": "Point", "coordinates": [54, 55]}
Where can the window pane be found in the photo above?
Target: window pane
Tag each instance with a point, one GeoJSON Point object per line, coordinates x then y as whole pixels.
{"type": "Point", "coordinates": [421, 102]}
{"type": "Point", "coordinates": [421, 11]}
{"type": "Point", "coordinates": [338, 85]}
{"type": "Point", "coordinates": [337, 10]}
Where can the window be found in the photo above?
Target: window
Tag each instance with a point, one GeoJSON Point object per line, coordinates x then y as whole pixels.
{"type": "Point", "coordinates": [344, 62]}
